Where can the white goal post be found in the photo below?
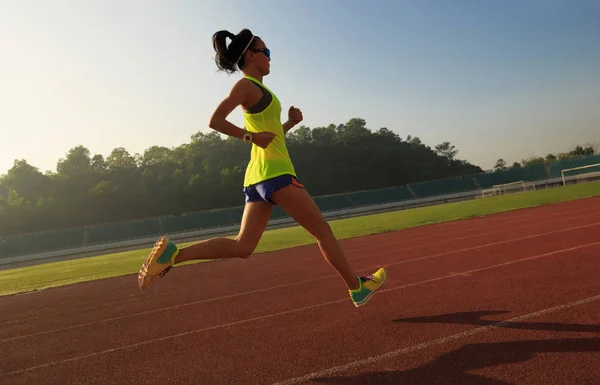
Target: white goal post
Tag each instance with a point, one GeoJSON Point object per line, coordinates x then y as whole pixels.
{"type": "Point", "coordinates": [500, 189]}
{"type": "Point", "coordinates": [507, 186]}
{"type": "Point", "coordinates": [562, 172]}
{"type": "Point", "coordinates": [490, 192]}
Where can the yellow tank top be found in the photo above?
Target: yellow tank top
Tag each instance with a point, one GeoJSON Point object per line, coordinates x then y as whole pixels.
{"type": "Point", "coordinates": [266, 163]}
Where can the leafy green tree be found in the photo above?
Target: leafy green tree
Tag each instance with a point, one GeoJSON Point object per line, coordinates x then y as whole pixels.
{"type": "Point", "coordinates": [207, 173]}
{"type": "Point", "coordinates": [500, 165]}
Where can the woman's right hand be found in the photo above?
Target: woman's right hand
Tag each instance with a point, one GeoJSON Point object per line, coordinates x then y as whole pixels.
{"type": "Point", "coordinates": [263, 139]}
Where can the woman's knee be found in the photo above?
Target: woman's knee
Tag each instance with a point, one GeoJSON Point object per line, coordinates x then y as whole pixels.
{"type": "Point", "coordinates": [322, 231]}
{"type": "Point", "coordinates": [243, 249]}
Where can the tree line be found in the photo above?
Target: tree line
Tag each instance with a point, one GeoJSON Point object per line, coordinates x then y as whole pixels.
{"type": "Point", "coordinates": [578, 150]}
{"type": "Point", "coordinates": [207, 173]}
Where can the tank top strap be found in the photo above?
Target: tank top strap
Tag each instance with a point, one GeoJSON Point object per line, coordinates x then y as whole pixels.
{"type": "Point", "coordinates": [259, 83]}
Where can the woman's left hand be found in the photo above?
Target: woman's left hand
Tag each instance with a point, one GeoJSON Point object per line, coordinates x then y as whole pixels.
{"type": "Point", "coordinates": [295, 115]}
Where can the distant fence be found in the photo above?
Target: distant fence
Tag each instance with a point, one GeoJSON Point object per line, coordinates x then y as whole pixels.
{"type": "Point", "coordinates": [47, 241]}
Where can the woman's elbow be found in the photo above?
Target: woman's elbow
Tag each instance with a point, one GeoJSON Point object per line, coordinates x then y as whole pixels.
{"type": "Point", "coordinates": [213, 122]}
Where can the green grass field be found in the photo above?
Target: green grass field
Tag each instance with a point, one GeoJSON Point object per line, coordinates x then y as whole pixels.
{"type": "Point", "coordinates": [54, 274]}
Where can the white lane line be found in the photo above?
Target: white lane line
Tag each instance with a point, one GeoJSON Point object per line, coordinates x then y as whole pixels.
{"type": "Point", "coordinates": [489, 230]}
{"type": "Point", "coordinates": [84, 308]}
{"type": "Point", "coordinates": [389, 244]}
{"type": "Point", "coordinates": [428, 344]}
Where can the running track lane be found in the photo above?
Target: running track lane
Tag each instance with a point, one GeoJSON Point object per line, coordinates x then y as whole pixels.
{"type": "Point", "coordinates": [93, 295]}
{"type": "Point", "coordinates": [428, 264]}
{"type": "Point", "coordinates": [267, 264]}
{"type": "Point", "coordinates": [259, 346]}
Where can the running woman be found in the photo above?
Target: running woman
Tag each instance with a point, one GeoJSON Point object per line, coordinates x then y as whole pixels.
{"type": "Point", "coordinates": [270, 177]}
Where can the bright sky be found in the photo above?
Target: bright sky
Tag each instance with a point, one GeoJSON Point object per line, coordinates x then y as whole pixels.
{"type": "Point", "coordinates": [510, 79]}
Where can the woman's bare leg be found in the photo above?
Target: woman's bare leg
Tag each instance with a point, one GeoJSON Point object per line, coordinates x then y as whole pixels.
{"type": "Point", "coordinates": [165, 254]}
{"type": "Point", "coordinates": [255, 219]}
{"type": "Point", "coordinates": [302, 208]}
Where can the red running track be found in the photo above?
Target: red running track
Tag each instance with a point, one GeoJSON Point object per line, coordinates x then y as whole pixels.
{"type": "Point", "coordinates": [508, 298]}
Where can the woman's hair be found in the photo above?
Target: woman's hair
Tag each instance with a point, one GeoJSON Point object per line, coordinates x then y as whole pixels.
{"type": "Point", "coordinates": [229, 56]}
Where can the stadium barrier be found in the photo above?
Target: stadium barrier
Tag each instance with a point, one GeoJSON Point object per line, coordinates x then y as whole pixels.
{"type": "Point", "coordinates": [103, 236]}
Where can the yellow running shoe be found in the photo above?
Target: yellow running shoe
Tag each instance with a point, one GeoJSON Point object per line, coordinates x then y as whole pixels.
{"type": "Point", "coordinates": [158, 263]}
{"type": "Point", "coordinates": [368, 286]}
